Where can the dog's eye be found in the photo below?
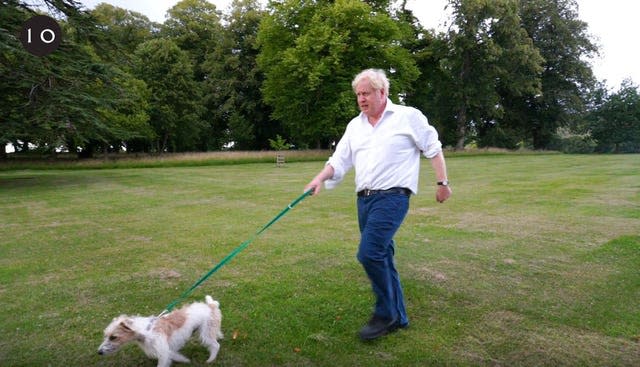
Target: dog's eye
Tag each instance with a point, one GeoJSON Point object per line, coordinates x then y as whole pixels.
{"type": "Point", "coordinates": [112, 338]}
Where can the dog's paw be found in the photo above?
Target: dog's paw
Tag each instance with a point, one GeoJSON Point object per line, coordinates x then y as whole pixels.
{"type": "Point", "coordinates": [177, 357]}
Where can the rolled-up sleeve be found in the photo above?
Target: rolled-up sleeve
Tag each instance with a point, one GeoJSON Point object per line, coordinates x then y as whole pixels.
{"type": "Point", "coordinates": [426, 135]}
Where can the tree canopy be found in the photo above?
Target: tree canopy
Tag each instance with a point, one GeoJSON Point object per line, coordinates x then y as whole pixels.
{"type": "Point", "coordinates": [505, 73]}
{"type": "Point", "coordinates": [615, 124]}
{"type": "Point", "coordinates": [310, 51]}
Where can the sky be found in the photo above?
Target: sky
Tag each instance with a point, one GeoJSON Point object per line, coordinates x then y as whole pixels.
{"type": "Point", "coordinates": [612, 24]}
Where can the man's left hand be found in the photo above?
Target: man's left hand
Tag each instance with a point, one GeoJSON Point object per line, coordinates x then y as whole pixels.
{"type": "Point", "coordinates": [443, 193]}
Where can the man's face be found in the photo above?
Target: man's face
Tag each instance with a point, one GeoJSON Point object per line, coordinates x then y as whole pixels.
{"type": "Point", "coordinates": [370, 101]}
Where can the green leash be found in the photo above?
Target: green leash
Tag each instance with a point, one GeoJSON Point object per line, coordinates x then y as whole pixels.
{"type": "Point", "coordinates": [234, 253]}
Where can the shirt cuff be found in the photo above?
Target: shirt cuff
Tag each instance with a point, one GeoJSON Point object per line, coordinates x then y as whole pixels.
{"type": "Point", "coordinates": [338, 175]}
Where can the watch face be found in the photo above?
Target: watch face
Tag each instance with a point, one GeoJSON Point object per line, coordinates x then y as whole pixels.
{"type": "Point", "coordinates": [443, 183]}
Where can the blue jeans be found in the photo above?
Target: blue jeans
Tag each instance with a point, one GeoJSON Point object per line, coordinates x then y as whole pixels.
{"type": "Point", "coordinates": [379, 217]}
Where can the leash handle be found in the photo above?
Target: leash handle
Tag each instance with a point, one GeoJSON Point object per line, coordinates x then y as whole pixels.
{"type": "Point", "coordinates": [233, 253]}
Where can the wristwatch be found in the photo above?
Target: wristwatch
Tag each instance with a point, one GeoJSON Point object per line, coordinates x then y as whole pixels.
{"type": "Point", "coordinates": [443, 183]}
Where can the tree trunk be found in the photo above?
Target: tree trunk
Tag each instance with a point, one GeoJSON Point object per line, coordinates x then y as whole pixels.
{"type": "Point", "coordinates": [87, 151]}
{"type": "Point", "coordinates": [461, 120]}
{"type": "Point", "coordinates": [461, 127]}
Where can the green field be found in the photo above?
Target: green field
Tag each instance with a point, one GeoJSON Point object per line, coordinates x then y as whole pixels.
{"type": "Point", "coordinates": [534, 261]}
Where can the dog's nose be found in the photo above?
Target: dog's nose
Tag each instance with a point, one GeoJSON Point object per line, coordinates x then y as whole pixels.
{"type": "Point", "coordinates": [100, 352]}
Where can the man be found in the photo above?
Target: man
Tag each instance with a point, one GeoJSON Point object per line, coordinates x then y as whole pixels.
{"type": "Point", "coordinates": [383, 143]}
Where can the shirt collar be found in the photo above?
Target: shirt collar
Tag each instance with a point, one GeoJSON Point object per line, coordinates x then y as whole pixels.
{"type": "Point", "coordinates": [390, 107]}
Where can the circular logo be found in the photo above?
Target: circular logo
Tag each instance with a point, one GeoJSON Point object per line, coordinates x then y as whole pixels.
{"type": "Point", "coordinates": [41, 35]}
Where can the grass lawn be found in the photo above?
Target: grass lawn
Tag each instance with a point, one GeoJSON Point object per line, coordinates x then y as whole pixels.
{"type": "Point", "coordinates": [534, 261]}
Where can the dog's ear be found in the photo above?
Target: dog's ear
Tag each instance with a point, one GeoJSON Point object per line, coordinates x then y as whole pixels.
{"type": "Point", "coordinates": [127, 324]}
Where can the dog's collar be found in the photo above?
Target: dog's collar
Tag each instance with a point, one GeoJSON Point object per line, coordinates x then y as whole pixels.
{"type": "Point", "coordinates": [155, 318]}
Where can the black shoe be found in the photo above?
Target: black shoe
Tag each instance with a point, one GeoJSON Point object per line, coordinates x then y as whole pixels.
{"type": "Point", "coordinates": [378, 327]}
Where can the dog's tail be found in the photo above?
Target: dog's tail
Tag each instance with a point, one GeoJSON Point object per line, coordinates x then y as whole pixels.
{"type": "Point", "coordinates": [211, 302]}
{"type": "Point", "coordinates": [214, 323]}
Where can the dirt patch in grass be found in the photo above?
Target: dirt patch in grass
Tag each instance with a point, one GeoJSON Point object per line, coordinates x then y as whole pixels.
{"type": "Point", "coordinates": [165, 274]}
{"type": "Point", "coordinates": [424, 272]}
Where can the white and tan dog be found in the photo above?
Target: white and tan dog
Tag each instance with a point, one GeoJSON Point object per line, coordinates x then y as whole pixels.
{"type": "Point", "coordinates": [163, 337]}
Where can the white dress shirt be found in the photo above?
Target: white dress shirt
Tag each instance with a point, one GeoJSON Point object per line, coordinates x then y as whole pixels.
{"type": "Point", "coordinates": [385, 155]}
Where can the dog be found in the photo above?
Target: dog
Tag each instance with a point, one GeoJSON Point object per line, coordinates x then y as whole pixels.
{"type": "Point", "coordinates": [162, 337]}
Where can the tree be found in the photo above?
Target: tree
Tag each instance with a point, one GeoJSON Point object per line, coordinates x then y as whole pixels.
{"type": "Point", "coordinates": [62, 98]}
{"type": "Point", "coordinates": [122, 30]}
{"type": "Point", "coordinates": [194, 25]}
{"type": "Point", "coordinates": [615, 124]}
{"type": "Point", "coordinates": [233, 83]}
{"type": "Point", "coordinates": [12, 85]}
{"type": "Point", "coordinates": [566, 78]}
{"type": "Point", "coordinates": [311, 50]}
{"type": "Point", "coordinates": [174, 103]}
{"type": "Point", "coordinates": [128, 113]}
{"type": "Point", "coordinates": [379, 5]}
{"type": "Point", "coordinates": [487, 55]}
